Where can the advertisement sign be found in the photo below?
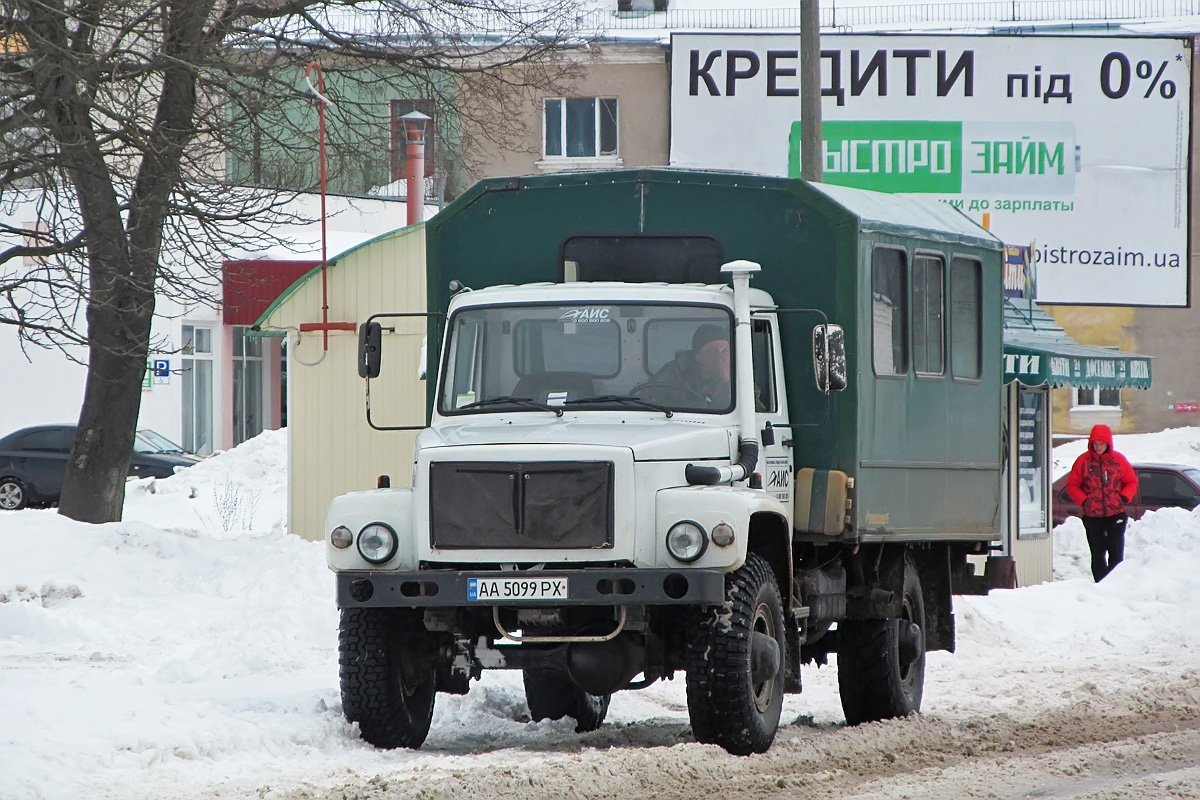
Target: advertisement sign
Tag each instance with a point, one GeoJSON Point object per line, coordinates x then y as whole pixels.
{"type": "Point", "coordinates": [1077, 144]}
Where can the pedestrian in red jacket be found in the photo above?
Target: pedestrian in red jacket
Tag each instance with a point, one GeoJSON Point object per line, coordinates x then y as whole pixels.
{"type": "Point", "coordinates": [1101, 483]}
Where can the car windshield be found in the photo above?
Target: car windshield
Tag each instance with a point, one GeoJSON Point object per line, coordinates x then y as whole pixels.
{"type": "Point", "coordinates": [629, 356]}
{"type": "Point", "coordinates": [148, 441]}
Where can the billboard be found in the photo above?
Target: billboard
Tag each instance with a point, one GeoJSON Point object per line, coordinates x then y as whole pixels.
{"type": "Point", "coordinates": [1078, 145]}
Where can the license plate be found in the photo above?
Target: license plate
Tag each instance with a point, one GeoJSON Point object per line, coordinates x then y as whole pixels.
{"type": "Point", "coordinates": [516, 588]}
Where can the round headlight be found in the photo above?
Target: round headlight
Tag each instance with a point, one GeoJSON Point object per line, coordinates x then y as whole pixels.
{"type": "Point", "coordinates": [722, 534]}
{"type": "Point", "coordinates": [686, 541]}
{"type": "Point", "coordinates": [377, 543]}
{"type": "Point", "coordinates": [341, 537]}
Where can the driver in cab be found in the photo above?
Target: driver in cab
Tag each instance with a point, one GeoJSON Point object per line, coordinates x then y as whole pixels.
{"type": "Point", "coordinates": [697, 378]}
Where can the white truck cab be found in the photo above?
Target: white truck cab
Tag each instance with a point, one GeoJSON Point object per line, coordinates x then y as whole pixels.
{"type": "Point", "coordinates": [591, 475]}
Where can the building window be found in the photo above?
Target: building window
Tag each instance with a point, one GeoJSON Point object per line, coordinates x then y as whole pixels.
{"type": "Point", "coordinates": [580, 127]}
{"type": "Point", "coordinates": [197, 353]}
{"type": "Point", "coordinates": [1092, 397]}
{"type": "Point", "coordinates": [247, 385]}
{"type": "Point", "coordinates": [966, 318]}
{"type": "Point", "coordinates": [889, 305]}
{"type": "Point", "coordinates": [929, 316]}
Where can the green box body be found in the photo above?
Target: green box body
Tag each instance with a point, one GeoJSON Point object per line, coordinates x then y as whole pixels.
{"type": "Point", "coordinates": [924, 453]}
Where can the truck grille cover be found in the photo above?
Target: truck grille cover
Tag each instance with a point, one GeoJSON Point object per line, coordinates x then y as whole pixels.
{"type": "Point", "coordinates": [508, 505]}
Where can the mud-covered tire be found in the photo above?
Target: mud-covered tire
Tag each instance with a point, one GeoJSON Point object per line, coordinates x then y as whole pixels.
{"type": "Point", "coordinates": [726, 704]}
{"type": "Point", "coordinates": [388, 687]}
{"type": "Point", "coordinates": [879, 675]}
{"type": "Point", "coordinates": [13, 495]}
{"type": "Point", "coordinates": [552, 694]}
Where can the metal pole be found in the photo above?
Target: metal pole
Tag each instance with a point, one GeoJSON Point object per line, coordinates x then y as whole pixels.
{"type": "Point", "coordinates": [322, 101]}
{"type": "Point", "coordinates": [811, 168]}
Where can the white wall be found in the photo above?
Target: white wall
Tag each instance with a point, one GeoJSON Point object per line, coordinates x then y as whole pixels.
{"type": "Point", "coordinates": [49, 388]}
{"type": "Point", "coordinates": [44, 391]}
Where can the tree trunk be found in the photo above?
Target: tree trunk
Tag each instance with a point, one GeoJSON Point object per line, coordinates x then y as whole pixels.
{"type": "Point", "coordinates": [94, 487]}
{"type": "Point", "coordinates": [120, 310]}
{"type": "Point", "coordinates": [123, 251]}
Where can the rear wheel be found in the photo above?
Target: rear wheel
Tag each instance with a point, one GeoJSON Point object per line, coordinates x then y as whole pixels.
{"type": "Point", "coordinates": [388, 683]}
{"type": "Point", "coordinates": [12, 494]}
{"type": "Point", "coordinates": [735, 663]}
{"type": "Point", "coordinates": [551, 694]}
{"type": "Point", "coordinates": [881, 662]}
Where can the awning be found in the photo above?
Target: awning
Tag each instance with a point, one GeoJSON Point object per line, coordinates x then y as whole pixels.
{"type": "Point", "coordinates": [1038, 351]}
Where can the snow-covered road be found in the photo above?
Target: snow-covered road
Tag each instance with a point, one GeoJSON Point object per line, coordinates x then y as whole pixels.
{"type": "Point", "coordinates": [184, 654]}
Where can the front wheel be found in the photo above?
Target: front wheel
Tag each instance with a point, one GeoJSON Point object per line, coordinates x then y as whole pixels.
{"type": "Point", "coordinates": [388, 683]}
{"type": "Point", "coordinates": [881, 662]}
{"type": "Point", "coordinates": [551, 694]}
{"type": "Point", "coordinates": [735, 663]}
{"type": "Point", "coordinates": [12, 494]}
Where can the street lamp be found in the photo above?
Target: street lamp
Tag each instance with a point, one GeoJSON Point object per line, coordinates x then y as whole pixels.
{"type": "Point", "coordinates": [414, 134]}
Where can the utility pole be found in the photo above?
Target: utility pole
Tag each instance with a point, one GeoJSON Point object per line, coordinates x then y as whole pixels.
{"type": "Point", "coordinates": [811, 168]}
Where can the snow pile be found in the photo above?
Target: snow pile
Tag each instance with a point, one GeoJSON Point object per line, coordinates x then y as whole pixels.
{"type": "Point", "coordinates": [245, 489]}
{"type": "Point", "coordinates": [191, 651]}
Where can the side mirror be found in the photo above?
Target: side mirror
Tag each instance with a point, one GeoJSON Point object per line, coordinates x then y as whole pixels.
{"type": "Point", "coordinates": [829, 357]}
{"type": "Point", "coordinates": [767, 435]}
{"type": "Point", "coordinates": [370, 338]}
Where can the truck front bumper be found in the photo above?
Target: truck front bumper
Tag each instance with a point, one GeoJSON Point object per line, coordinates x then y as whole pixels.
{"type": "Point", "coordinates": [586, 587]}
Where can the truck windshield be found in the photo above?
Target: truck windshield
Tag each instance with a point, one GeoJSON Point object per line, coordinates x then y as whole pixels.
{"type": "Point", "coordinates": [538, 358]}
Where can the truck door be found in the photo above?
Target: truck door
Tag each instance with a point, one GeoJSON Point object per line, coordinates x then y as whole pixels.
{"type": "Point", "coordinates": [775, 462]}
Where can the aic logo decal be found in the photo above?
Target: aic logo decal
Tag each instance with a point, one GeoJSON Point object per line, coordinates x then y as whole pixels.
{"type": "Point", "coordinates": [587, 314]}
{"type": "Point", "coordinates": [946, 157]}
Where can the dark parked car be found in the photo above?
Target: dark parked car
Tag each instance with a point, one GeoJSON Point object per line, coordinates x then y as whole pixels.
{"type": "Point", "coordinates": [33, 462]}
{"type": "Point", "coordinates": [1159, 486]}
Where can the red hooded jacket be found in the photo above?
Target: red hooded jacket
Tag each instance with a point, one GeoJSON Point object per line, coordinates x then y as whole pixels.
{"type": "Point", "coordinates": [1101, 484]}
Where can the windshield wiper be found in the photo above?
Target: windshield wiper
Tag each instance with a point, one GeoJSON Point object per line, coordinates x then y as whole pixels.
{"type": "Point", "coordinates": [528, 402]}
{"type": "Point", "coordinates": [623, 398]}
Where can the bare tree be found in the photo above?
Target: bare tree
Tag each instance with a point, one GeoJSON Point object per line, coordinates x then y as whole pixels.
{"type": "Point", "coordinates": [118, 119]}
